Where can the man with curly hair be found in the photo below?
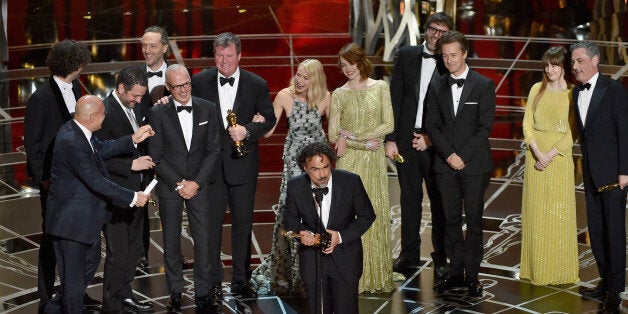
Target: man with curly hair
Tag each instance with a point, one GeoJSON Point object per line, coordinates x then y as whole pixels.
{"type": "Point", "coordinates": [47, 109]}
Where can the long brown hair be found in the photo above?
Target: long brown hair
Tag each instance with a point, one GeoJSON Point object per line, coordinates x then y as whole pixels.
{"type": "Point", "coordinates": [354, 54]}
{"type": "Point", "coordinates": [555, 56]}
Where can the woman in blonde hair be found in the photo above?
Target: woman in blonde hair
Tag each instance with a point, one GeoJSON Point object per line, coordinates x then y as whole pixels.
{"type": "Point", "coordinates": [305, 102]}
{"type": "Point", "coordinates": [549, 248]}
{"type": "Point", "coordinates": [361, 115]}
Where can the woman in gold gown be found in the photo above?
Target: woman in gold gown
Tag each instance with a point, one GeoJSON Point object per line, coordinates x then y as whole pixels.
{"type": "Point", "coordinates": [361, 115]}
{"type": "Point", "coordinates": [549, 249]}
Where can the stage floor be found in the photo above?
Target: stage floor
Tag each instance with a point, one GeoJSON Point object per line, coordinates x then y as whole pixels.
{"type": "Point", "coordinates": [504, 292]}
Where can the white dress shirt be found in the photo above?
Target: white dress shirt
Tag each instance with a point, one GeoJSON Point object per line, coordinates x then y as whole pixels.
{"type": "Point", "coordinates": [428, 65]}
{"type": "Point", "coordinates": [326, 206]}
{"type": "Point", "coordinates": [456, 91]}
{"type": "Point", "coordinates": [187, 123]}
{"type": "Point", "coordinates": [227, 95]}
{"type": "Point", "coordinates": [67, 93]}
{"type": "Point", "coordinates": [156, 80]}
{"type": "Point", "coordinates": [584, 98]}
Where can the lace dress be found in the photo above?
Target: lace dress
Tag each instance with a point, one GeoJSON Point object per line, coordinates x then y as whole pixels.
{"type": "Point", "coordinates": [279, 273]}
{"type": "Point", "coordinates": [368, 114]}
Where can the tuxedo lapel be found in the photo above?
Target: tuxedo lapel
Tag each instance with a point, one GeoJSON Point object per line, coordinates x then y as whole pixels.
{"type": "Point", "coordinates": [417, 84]}
{"type": "Point", "coordinates": [63, 108]}
{"type": "Point", "coordinates": [575, 93]}
{"type": "Point", "coordinates": [596, 98]}
{"type": "Point", "coordinates": [171, 112]}
{"type": "Point", "coordinates": [121, 115]}
{"type": "Point", "coordinates": [466, 91]}
{"type": "Point", "coordinates": [447, 96]}
{"type": "Point", "coordinates": [239, 93]}
{"type": "Point", "coordinates": [336, 193]}
{"type": "Point", "coordinates": [213, 88]}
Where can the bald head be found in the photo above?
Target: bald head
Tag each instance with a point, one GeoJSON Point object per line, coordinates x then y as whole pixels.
{"type": "Point", "coordinates": [90, 112]}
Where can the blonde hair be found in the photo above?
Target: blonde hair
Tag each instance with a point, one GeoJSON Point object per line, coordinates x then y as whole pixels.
{"type": "Point", "coordinates": [318, 82]}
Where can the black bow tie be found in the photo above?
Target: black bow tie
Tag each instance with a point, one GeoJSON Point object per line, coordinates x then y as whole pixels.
{"type": "Point", "coordinates": [186, 108]}
{"type": "Point", "coordinates": [324, 190]}
{"type": "Point", "coordinates": [458, 82]}
{"type": "Point", "coordinates": [584, 86]}
{"type": "Point", "coordinates": [427, 55]}
{"type": "Point", "coordinates": [224, 80]}
{"type": "Point", "coordinates": [151, 74]}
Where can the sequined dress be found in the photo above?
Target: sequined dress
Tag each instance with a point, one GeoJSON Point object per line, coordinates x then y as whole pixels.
{"type": "Point", "coordinates": [368, 114]}
{"type": "Point", "coordinates": [549, 248]}
{"type": "Point", "coordinates": [279, 272]}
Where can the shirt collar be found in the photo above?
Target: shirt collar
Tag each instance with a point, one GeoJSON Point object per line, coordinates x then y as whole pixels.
{"type": "Point", "coordinates": [176, 103]}
{"type": "Point", "coordinates": [115, 95]}
{"type": "Point", "coordinates": [329, 183]}
{"type": "Point", "coordinates": [235, 74]}
{"type": "Point", "coordinates": [464, 74]}
{"type": "Point", "coordinates": [88, 133]}
{"type": "Point", "coordinates": [62, 85]}
{"type": "Point", "coordinates": [593, 80]}
{"type": "Point", "coordinates": [162, 69]}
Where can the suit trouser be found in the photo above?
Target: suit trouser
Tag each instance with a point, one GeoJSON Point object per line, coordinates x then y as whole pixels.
{"type": "Point", "coordinates": [171, 214]}
{"type": "Point", "coordinates": [606, 216]}
{"type": "Point", "coordinates": [46, 256]}
{"type": "Point", "coordinates": [418, 166]}
{"type": "Point", "coordinates": [338, 295]}
{"type": "Point", "coordinates": [123, 237]}
{"type": "Point", "coordinates": [77, 263]}
{"type": "Point", "coordinates": [241, 199]}
{"type": "Point", "coordinates": [459, 191]}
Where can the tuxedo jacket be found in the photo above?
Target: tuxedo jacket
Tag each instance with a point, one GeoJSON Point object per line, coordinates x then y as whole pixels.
{"type": "Point", "coordinates": [46, 112]}
{"type": "Point", "coordinates": [115, 125]}
{"type": "Point", "coordinates": [173, 161]}
{"type": "Point", "coordinates": [405, 87]}
{"type": "Point", "coordinates": [351, 214]}
{"type": "Point", "coordinates": [251, 97]}
{"type": "Point", "coordinates": [79, 185]}
{"type": "Point", "coordinates": [467, 132]}
{"type": "Point", "coordinates": [604, 133]}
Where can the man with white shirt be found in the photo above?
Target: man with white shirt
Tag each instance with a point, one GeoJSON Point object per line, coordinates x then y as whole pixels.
{"type": "Point", "coordinates": [333, 201]}
{"type": "Point", "coordinates": [185, 150]}
{"type": "Point", "coordinates": [460, 110]}
{"type": "Point", "coordinates": [602, 112]}
{"type": "Point", "coordinates": [245, 93]}
{"type": "Point", "coordinates": [154, 49]}
{"type": "Point", "coordinates": [415, 67]}
{"type": "Point", "coordinates": [80, 188]}
{"type": "Point", "coordinates": [124, 233]}
{"type": "Point", "coordinates": [47, 109]}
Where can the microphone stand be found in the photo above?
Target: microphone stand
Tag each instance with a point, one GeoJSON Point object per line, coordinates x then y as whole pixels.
{"type": "Point", "coordinates": [318, 197]}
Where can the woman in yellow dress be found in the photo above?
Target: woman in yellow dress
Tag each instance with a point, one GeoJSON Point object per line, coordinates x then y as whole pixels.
{"type": "Point", "coordinates": [361, 115]}
{"type": "Point", "coordinates": [549, 248]}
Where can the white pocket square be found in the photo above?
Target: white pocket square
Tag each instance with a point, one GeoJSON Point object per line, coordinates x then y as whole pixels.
{"type": "Point", "coordinates": [204, 122]}
{"type": "Point", "coordinates": [471, 103]}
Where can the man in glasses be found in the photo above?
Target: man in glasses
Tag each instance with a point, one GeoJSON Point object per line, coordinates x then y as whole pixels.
{"type": "Point", "coordinates": [185, 150]}
{"type": "Point", "coordinates": [415, 66]}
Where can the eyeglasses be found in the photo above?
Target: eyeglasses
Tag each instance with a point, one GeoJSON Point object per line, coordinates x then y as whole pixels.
{"type": "Point", "coordinates": [434, 31]}
{"type": "Point", "coordinates": [178, 88]}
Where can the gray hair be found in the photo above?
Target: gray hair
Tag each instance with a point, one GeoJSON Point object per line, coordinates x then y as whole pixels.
{"type": "Point", "coordinates": [159, 30]}
{"type": "Point", "coordinates": [226, 39]}
{"type": "Point", "coordinates": [591, 49]}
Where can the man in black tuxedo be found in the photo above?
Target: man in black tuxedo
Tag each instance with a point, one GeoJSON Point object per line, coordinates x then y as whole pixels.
{"type": "Point", "coordinates": [154, 49]}
{"type": "Point", "coordinates": [124, 233]}
{"type": "Point", "coordinates": [185, 150]}
{"type": "Point", "coordinates": [333, 201]}
{"type": "Point", "coordinates": [79, 190]}
{"type": "Point", "coordinates": [415, 67]}
{"type": "Point", "coordinates": [47, 109]}
{"type": "Point", "coordinates": [246, 94]}
{"type": "Point", "coordinates": [602, 111]}
{"type": "Point", "coordinates": [460, 110]}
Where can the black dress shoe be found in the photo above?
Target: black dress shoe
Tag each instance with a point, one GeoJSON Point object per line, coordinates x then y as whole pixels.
{"type": "Point", "coordinates": [134, 305]}
{"type": "Point", "coordinates": [243, 290]}
{"type": "Point", "coordinates": [403, 265]}
{"type": "Point", "coordinates": [597, 293]}
{"type": "Point", "coordinates": [215, 293]}
{"type": "Point", "coordinates": [90, 304]}
{"type": "Point", "coordinates": [203, 302]}
{"type": "Point", "coordinates": [611, 303]}
{"type": "Point", "coordinates": [475, 289]}
{"type": "Point", "coordinates": [174, 303]}
{"type": "Point", "coordinates": [451, 282]}
{"type": "Point", "coordinates": [142, 263]}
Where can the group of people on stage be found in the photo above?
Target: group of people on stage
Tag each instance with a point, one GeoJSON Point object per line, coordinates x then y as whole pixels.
{"type": "Point", "coordinates": [93, 159]}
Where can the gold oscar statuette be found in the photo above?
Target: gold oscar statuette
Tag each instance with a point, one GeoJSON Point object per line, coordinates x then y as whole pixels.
{"type": "Point", "coordinates": [607, 188]}
{"type": "Point", "coordinates": [320, 241]}
{"type": "Point", "coordinates": [398, 158]}
{"type": "Point", "coordinates": [239, 148]}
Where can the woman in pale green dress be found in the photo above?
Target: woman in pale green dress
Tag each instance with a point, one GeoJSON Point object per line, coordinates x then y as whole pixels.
{"type": "Point", "coordinates": [361, 115]}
